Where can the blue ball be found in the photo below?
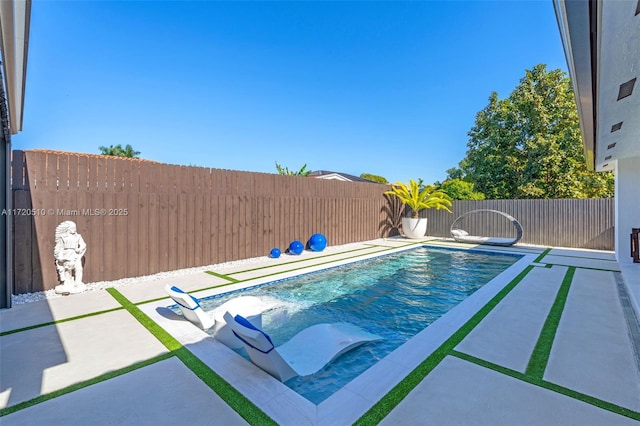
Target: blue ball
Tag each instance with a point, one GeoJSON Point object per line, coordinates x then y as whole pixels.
{"type": "Point", "coordinates": [275, 252]}
{"type": "Point", "coordinates": [296, 247]}
{"type": "Point", "coordinates": [317, 242]}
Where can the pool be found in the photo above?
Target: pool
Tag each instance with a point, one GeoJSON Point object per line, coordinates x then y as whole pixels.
{"type": "Point", "coordinates": [394, 296]}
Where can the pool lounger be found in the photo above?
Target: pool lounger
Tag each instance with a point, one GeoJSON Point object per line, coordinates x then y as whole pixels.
{"type": "Point", "coordinates": [306, 353]}
{"type": "Point", "coordinates": [463, 236]}
{"type": "Point", "coordinates": [250, 306]}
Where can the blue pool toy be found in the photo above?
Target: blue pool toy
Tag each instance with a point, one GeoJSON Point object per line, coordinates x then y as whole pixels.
{"type": "Point", "coordinates": [275, 252]}
{"type": "Point", "coordinates": [317, 242]}
{"type": "Point", "coordinates": [296, 247]}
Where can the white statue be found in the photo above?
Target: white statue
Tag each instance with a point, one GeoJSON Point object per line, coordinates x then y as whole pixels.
{"type": "Point", "coordinates": [68, 251]}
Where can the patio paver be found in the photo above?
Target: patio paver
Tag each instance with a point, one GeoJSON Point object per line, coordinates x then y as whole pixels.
{"type": "Point", "coordinates": [462, 393]}
{"type": "Point", "coordinates": [582, 262]}
{"type": "Point", "coordinates": [163, 393]}
{"type": "Point", "coordinates": [45, 311]}
{"type": "Point", "coordinates": [592, 352]}
{"type": "Point", "coordinates": [507, 336]}
{"type": "Point", "coordinates": [45, 359]}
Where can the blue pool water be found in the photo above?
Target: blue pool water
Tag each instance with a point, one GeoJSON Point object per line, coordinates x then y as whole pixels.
{"type": "Point", "coordinates": [394, 296]}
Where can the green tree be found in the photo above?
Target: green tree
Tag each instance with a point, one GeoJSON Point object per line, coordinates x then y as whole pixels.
{"type": "Point", "coordinates": [459, 189]}
{"type": "Point", "coordinates": [374, 178]}
{"type": "Point", "coordinates": [529, 145]}
{"type": "Point", "coordinates": [455, 173]}
{"type": "Point", "coordinates": [285, 171]}
{"type": "Point", "coordinates": [118, 151]}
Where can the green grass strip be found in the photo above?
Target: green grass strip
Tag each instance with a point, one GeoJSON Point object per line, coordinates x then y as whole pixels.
{"type": "Point", "coordinates": [383, 249]}
{"type": "Point", "coordinates": [238, 402]}
{"type": "Point", "coordinates": [542, 350]}
{"type": "Point", "coordinates": [537, 381]}
{"type": "Point", "coordinates": [584, 267]}
{"type": "Point", "coordinates": [165, 338]}
{"type": "Point", "coordinates": [404, 243]}
{"type": "Point", "coordinates": [543, 254]}
{"type": "Point", "coordinates": [45, 324]}
{"type": "Point", "coordinates": [402, 389]}
{"type": "Point", "coordinates": [223, 276]}
{"type": "Point", "coordinates": [584, 257]}
{"type": "Point", "coordinates": [301, 268]}
{"type": "Point", "coordinates": [78, 386]}
{"type": "Point", "coordinates": [236, 281]}
{"type": "Point", "coordinates": [317, 264]}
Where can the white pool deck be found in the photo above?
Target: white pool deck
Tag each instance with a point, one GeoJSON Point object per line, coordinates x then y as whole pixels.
{"type": "Point", "coordinates": [591, 372]}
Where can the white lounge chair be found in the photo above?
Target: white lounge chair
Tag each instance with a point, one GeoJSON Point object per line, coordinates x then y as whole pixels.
{"type": "Point", "coordinates": [249, 306]}
{"type": "Point", "coordinates": [306, 353]}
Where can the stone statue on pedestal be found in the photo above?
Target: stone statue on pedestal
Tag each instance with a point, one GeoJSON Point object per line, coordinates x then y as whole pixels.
{"type": "Point", "coordinates": [68, 251]}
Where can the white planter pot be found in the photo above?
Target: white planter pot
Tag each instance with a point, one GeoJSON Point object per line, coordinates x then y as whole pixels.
{"type": "Point", "coordinates": [414, 228]}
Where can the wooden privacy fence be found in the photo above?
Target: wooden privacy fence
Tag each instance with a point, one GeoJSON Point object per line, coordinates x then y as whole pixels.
{"type": "Point", "coordinates": [580, 223]}
{"type": "Point", "coordinates": [140, 217]}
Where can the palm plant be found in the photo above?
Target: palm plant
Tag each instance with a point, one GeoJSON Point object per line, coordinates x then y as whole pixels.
{"type": "Point", "coordinates": [285, 171]}
{"type": "Point", "coordinates": [419, 197]}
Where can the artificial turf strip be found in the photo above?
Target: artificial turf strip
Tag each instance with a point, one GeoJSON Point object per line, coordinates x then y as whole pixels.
{"type": "Point", "coordinates": [537, 381]}
{"type": "Point", "coordinates": [44, 324]}
{"type": "Point", "coordinates": [321, 257]}
{"type": "Point", "coordinates": [224, 277]}
{"type": "Point", "coordinates": [288, 270]}
{"type": "Point", "coordinates": [388, 402]}
{"type": "Point", "coordinates": [382, 249]}
{"type": "Point", "coordinates": [236, 281]}
{"type": "Point", "coordinates": [543, 254]}
{"type": "Point", "coordinates": [584, 257]}
{"type": "Point", "coordinates": [540, 355]}
{"type": "Point", "coordinates": [78, 386]}
{"type": "Point", "coordinates": [585, 267]}
{"type": "Point", "coordinates": [238, 402]}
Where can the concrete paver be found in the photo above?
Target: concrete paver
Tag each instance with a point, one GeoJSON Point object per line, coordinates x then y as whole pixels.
{"type": "Point", "coordinates": [592, 352]}
{"type": "Point", "coordinates": [163, 393]}
{"type": "Point", "coordinates": [582, 262]}
{"type": "Point", "coordinates": [508, 335]}
{"type": "Point", "coordinates": [41, 360]}
{"type": "Point", "coordinates": [150, 290]}
{"type": "Point", "coordinates": [458, 392]}
{"type": "Point", "coordinates": [583, 253]}
{"type": "Point", "coordinates": [44, 311]}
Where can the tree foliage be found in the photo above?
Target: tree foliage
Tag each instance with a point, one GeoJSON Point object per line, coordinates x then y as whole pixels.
{"type": "Point", "coordinates": [119, 151]}
{"type": "Point", "coordinates": [529, 144]}
{"type": "Point", "coordinates": [285, 171]}
{"type": "Point", "coordinates": [459, 189]}
{"type": "Point", "coordinates": [374, 178]}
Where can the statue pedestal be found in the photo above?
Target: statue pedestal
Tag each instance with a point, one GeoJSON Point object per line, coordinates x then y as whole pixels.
{"type": "Point", "coordinates": [70, 288]}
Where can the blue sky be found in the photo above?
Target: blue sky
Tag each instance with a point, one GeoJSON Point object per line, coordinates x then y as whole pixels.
{"type": "Point", "coordinates": [389, 88]}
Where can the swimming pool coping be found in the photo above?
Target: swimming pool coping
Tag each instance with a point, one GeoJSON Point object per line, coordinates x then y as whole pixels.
{"type": "Point", "coordinates": [359, 395]}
